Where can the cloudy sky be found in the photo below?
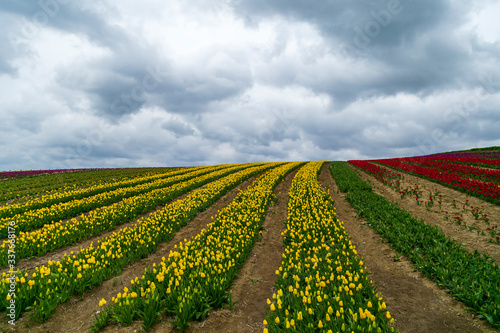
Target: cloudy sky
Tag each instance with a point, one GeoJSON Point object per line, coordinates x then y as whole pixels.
{"type": "Point", "coordinates": [171, 83]}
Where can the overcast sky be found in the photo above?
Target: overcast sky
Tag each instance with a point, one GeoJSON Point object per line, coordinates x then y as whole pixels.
{"type": "Point", "coordinates": [172, 83]}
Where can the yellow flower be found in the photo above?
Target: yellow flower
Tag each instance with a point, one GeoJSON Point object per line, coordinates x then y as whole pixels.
{"type": "Point", "coordinates": [79, 276]}
{"type": "Point", "coordinates": [273, 307]}
{"type": "Point", "coordinates": [8, 297]}
{"type": "Point", "coordinates": [102, 302]}
{"type": "Point", "coordinates": [133, 294]}
{"type": "Point", "coordinates": [388, 315]}
{"type": "Point", "coordinates": [277, 320]}
{"type": "Point", "coordinates": [320, 324]}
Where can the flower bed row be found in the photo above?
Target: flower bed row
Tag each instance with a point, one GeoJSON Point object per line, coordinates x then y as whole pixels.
{"type": "Point", "coordinates": [76, 194]}
{"type": "Point", "coordinates": [195, 277]}
{"type": "Point", "coordinates": [31, 220]}
{"type": "Point", "coordinates": [57, 281]}
{"type": "Point", "coordinates": [27, 173]}
{"type": "Point", "coordinates": [56, 235]}
{"type": "Point", "coordinates": [493, 163]}
{"type": "Point", "coordinates": [321, 285]}
{"type": "Point", "coordinates": [22, 189]}
{"type": "Point", "coordinates": [484, 190]}
{"type": "Point", "coordinates": [473, 278]}
{"type": "Point", "coordinates": [471, 154]}
{"type": "Point", "coordinates": [457, 168]}
{"type": "Point", "coordinates": [394, 180]}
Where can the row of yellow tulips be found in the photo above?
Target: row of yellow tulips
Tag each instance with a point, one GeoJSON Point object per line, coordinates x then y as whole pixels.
{"type": "Point", "coordinates": [23, 189]}
{"type": "Point", "coordinates": [322, 285]}
{"type": "Point", "coordinates": [195, 277]}
{"type": "Point", "coordinates": [56, 235]}
{"type": "Point", "coordinates": [55, 283]}
{"type": "Point", "coordinates": [50, 199]}
{"type": "Point", "coordinates": [33, 219]}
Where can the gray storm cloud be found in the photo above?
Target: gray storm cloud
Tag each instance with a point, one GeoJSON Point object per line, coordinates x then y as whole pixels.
{"type": "Point", "coordinates": [150, 84]}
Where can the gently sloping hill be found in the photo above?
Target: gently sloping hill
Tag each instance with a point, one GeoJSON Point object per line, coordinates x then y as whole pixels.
{"type": "Point", "coordinates": [416, 303]}
{"type": "Point", "coordinates": [58, 281]}
{"type": "Point", "coordinates": [254, 283]}
{"type": "Point", "coordinates": [77, 315]}
{"type": "Point", "coordinates": [445, 217]}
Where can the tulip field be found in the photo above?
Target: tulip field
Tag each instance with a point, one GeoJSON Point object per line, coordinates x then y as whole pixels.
{"type": "Point", "coordinates": [169, 249]}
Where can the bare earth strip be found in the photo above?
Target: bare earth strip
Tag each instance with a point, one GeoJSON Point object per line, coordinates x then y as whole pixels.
{"type": "Point", "coordinates": [254, 283]}
{"type": "Point", "coordinates": [416, 304]}
{"type": "Point", "coordinates": [436, 216]}
{"type": "Point", "coordinates": [58, 254]}
{"type": "Point", "coordinates": [77, 314]}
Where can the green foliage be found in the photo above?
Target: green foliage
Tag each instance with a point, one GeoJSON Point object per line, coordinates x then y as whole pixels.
{"type": "Point", "coordinates": [472, 278]}
{"type": "Point", "coordinates": [347, 179]}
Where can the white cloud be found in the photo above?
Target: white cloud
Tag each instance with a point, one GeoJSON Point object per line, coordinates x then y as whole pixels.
{"type": "Point", "coordinates": [235, 81]}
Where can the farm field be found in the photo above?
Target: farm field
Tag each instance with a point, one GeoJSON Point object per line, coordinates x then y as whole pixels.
{"type": "Point", "coordinates": [393, 245]}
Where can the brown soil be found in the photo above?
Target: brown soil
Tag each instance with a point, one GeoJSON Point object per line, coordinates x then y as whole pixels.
{"type": "Point", "coordinates": [415, 303]}
{"type": "Point", "coordinates": [77, 314]}
{"type": "Point", "coordinates": [437, 216]}
{"type": "Point", "coordinates": [254, 283]}
{"type": "Point", "coordinates": [58, 254]}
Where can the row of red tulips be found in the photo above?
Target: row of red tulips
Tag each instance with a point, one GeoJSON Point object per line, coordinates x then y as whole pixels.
{"type": "Point", "coordinates": [485, 190]}
{"type": "Point", "coordinates": [462, 169]}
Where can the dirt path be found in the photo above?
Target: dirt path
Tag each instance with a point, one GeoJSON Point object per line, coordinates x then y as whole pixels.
{"type": "Point", "coordinates": [254, 283]}
{"type": "Point", "coordinates": [416, 304]}
{"type": "Point", "coordinates": [58, 254]}
{"type": "Point", "coordinates": [437, 216]}
{"type": "Point", "coordinates": [77, 314]}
